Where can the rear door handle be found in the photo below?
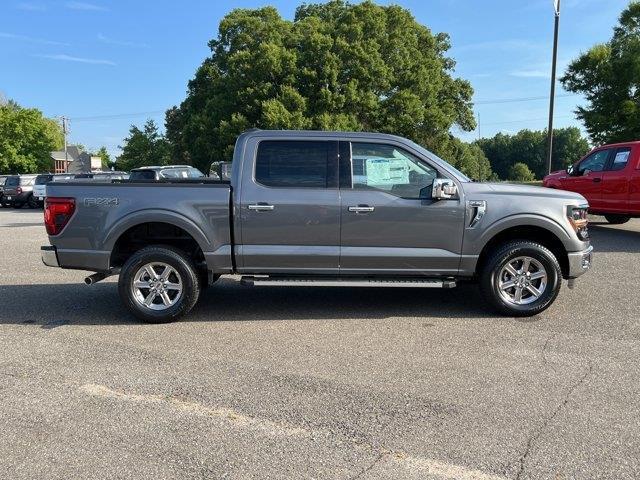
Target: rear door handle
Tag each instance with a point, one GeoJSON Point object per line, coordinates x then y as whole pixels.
{"type": "Point", "coordinates": [597, 180]}
{"type": "Point", "coordinates": [261, 207]}
{"type": "Point", "coordinates": [362, 209]}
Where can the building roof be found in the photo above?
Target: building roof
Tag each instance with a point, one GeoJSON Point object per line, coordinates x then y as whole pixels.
{"type": "Point", "coordinates": [73, 152]}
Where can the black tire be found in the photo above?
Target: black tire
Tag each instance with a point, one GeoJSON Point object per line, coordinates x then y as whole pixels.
{"type": "Point", "coordinates": [32, 202]}
{"type": "Point", "coordinates": [18, 205]}
{"type": "Point", "coordinates": [614, 219]}
{"type": "Point", "coordinates": [172, 257]}
{"type": "Point", "coordinates": [492, 268]}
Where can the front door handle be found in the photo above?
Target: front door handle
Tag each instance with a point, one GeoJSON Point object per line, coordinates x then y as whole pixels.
{"type": "Point", "coordinates": [362, 209]}
{"type": "Point", "coordinates": [597, 180]}
{"type": "Point", "coordinates": [261, 207]}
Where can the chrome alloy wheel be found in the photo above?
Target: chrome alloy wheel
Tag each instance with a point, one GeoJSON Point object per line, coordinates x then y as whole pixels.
{"type": "Point", "coordinates": [156, 286]}
{"type": "Point", "coordinates": [522, 280]}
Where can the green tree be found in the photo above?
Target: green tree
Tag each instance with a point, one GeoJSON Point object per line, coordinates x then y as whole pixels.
{"type": "Point", "coordinates": [336, 66]}
{"type": "Point", "coordinates": [468, 158]}
{"type": "Point", "coordinates": [519, 172]}
{"type": "Point", "coordinates": [26, 139]}
{"type": "Point", "coordinates": [529, 147]}
{"type": "Point", "coordinates": [608, 75]}
{"type": "Point", "coordinates": [146, 146]}
{"type": "Point", "coordinates": [104, 157]}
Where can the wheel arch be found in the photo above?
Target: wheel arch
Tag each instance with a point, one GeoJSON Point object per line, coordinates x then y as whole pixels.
{"type": "Point", "coordinates": [147, 227]}
{"type": "Point", "coordinates": [547, 236]}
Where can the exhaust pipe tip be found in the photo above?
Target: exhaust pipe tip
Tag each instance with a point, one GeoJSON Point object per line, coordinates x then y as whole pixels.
{"type": "Point", "coordinates": [95, 278]}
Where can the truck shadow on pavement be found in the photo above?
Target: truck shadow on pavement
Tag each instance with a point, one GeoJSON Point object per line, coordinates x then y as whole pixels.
{"type": "Point", "coordinates": [607, 238]}
{"type": "Point", "coordinates": [54, 306]}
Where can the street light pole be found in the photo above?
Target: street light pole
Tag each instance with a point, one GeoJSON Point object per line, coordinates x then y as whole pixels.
{"type": "Point", "coordinates": [553, 84]}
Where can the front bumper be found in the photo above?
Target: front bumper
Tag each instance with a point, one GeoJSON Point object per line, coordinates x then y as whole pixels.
{"type": "Point", "coordinates": [49, 256]}
{"type": "Point", "coordinates": [580, 262]}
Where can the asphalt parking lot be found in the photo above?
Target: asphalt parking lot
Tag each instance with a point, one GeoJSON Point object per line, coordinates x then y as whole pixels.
{"type": "Point", "coordinates": [317, 382]}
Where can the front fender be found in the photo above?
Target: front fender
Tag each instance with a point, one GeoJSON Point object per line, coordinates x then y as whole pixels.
{"type": "Point", "coordinates": [475, 245]}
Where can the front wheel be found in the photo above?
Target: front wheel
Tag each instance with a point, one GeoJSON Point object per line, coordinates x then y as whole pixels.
{"type": "Point", "coordinates": [617, 219]}
{"type": "Point", "coordinates": [159, 284]}
{"type": "Point", "coordinates": [521, 279]}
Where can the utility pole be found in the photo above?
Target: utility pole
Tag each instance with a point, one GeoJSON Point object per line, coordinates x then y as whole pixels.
{"type": "Point", "coordinates": [65, 130]}
{"type": "Point", "coordinates": [556, 5]}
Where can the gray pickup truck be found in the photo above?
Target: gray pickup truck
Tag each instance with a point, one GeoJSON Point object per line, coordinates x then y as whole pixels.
{"type": "Point", "coordinates": [320, 209]}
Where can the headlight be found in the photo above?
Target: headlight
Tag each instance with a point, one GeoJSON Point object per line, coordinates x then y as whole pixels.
{"type": "Point", "coordinates": [578, 219]}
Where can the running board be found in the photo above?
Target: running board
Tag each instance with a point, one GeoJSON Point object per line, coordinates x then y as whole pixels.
{"type": "Point", "coordinates": [347, 282]}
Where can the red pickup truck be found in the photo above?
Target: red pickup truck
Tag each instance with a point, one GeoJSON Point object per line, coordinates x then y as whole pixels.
{"type": "Point", "coordinates": [608, 177]}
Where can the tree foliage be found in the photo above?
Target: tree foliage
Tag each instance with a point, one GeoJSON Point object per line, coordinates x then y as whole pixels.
{"type": "Point", "coordinates": [336, 66]}
{"type": "Point", "coordinates": [529, 147]}
{"type": "Point", "coordinates": [26, 139]}
{"type": "Point", "coordinates": [519, 172]}
{"type": "Point", "coordinates": [146, 146]}
{"type": "Point", "coordinates": [105, 158]}
{"type": "Point", "coordinates": [608, 75]}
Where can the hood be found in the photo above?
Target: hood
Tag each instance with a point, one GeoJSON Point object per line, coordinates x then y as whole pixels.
{"type": "Point", "coordinates": [522, 190]}
{"type": "Point", "coordinates": [557, 173]}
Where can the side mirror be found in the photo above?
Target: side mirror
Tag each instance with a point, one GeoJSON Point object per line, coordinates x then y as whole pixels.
{"type": "Point", "coordinates": [570, 170]}
{"type": "Point", "coordinates": [443, 189]}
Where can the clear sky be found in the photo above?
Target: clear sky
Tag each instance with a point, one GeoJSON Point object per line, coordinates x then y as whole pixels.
{"type": "Point", "coordinates": [108, 64]}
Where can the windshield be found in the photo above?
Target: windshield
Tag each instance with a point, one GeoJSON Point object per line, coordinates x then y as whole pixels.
{"type": "Point", "coordinates": [461, 176]}
{"type": "Point", "coordinates": [43, 179]}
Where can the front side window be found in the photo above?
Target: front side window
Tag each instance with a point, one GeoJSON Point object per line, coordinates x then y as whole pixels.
{"type": "Point", "coordinates": [621, 159]}
{"type": "Point", "coordinates": [390, 169]}
{"type": "Point", "coordinates": [594, 162]}
{"type": "Point", "coordinates": [296, 164]}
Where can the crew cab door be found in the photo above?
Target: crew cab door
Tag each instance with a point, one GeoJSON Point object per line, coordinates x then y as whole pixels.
{"type": "Point", "coordinates": [289, 207]}
{"type": "Point", "coordinates": [586, 177]}
{"type": "Point", "coordinates": [616, 181]}
{"type": "Point", "coordinates": [390, 223]}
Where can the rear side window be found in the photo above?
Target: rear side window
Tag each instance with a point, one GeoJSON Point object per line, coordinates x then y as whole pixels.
{"type": "Point", "coordinates": [621, 158]}
{"type": "Point", "coordinates": [142, 175]}
{"type": "Point", "coordinates": [296, 164]}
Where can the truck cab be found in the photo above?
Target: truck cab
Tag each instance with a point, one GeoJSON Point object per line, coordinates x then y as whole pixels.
{"type": "Point", "coordinates": [608, 177]}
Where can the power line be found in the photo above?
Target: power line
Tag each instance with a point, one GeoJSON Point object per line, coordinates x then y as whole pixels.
{"type": "Point", "coordinates": [527, 120]}
{"type": "Point", "coordinates": [521, 99]}
{"type": "Point", "coordinates": [116, 116]}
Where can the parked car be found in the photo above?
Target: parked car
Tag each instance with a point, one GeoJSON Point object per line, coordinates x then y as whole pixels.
{"type": "Point", "coordinates": [102, 176]}
{"type": "Point", "coordinates": [165, 172]}
{"type": "Point", "coordinates": [40, 188]}
{"type": "Point", "coordinates": [3, 178]}
{"type": "Point", "coordinates": [295, 214]}
{"type": "Point", "coordinates": [608, 177]}
{"type": "Point", "coordinates": [18, 191]}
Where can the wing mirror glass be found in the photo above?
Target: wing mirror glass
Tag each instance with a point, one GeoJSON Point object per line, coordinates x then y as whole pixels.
{"type": "Point", "coordinates": [443, 188]}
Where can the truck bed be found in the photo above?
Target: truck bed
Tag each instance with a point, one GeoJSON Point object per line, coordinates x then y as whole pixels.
{"type": "Point", "coordinates": [105, 211]}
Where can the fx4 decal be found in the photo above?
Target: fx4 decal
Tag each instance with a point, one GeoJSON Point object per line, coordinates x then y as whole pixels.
{"type": "Point", "coordinates": [100, 202]}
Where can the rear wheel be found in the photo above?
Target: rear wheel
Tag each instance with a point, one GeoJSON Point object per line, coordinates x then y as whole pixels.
{"type": "Point", "coordinates": [159, 284]}
{"type": "Point", "coordinates": [521, 279]}
{"type": "Point", "coordinates": [614, 219]}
